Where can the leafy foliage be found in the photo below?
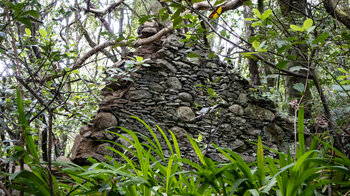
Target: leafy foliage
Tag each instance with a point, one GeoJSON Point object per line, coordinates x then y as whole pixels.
{"type": "Point", "coordinates": [148, 172]}
{"type": "Point", "coordinates": [48, 56]}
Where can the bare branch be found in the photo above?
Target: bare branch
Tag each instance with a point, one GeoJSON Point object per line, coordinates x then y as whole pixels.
{"type": "Point", "coordinates": [79, 63]}
{"type": "Point", "coordinates": [229, 5]}
{"type": "Point", "coordinates": [107, 9]}
{"type": "Point", "coordinates": [93, 44]}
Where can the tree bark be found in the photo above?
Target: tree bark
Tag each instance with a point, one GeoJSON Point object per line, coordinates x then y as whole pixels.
{"type": "Point", "coordinates": [252, 62]}
{"type": "Point", "coordinates": [293, 11]}
{"type": "Point", "coordinates": [332, 7]}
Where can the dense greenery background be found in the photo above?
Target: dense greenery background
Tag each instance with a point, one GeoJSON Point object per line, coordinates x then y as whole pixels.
{"type": "Point", "coordinates": [54, 56]}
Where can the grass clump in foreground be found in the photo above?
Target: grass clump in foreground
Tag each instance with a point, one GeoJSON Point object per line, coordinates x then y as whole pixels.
{"type": "Point", "coordinates": [146, 171]}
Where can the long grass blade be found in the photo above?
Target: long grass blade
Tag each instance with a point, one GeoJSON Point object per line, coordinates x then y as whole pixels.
{"type": "Point", "coordinates": [28, 137]}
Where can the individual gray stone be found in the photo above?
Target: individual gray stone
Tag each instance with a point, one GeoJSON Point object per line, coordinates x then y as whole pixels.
{"type": "Point", "coordinates": [87, 134]}
{"type": "Point", "coordinates": [173, 40]}
{"type": "Point", "coordinates": [211, 65]}
{"type": "Point", "coordinates": [156, 87]}
{"type": "Point", "coordinates": [255, 132]}
{"type": "Point", "coordinates": [238, 146]}
{"type": "Point", "coordinates": [83, 130]}
{"type": "Point", "coordinates": [180, 133]}
{"type": "Point", "coordinates": [186, 97]}
{"type": "Point", "coordinates": [101, 149]}
{"type": "Point", "coordinates": [185, 113]}
{"type": "Point", "coordinates": [203, 74]}
{"type": "Point", "coordinates": [236, 109]}
{"type": "Point", "coordinates": [139, 95]}
{"type": "Point", "coordinates": [243, 98]}
{"type": "Point", "coordinates": [256, 112]}
{"type": "Point", "coordinates": [166, 64]}
{"type": "Point", "coordinates": [223, 103]}
{"type": "Point", "coordinates": [182, 65]}
{"type": "Point", "coordinates": [238, 120]}
{"type": "Point", "coordinates": [99, 135]}
{"type": "Point", "coordinates": [104, 120]}
{"type": "Point", "coordinates": [274, 133]}
{"type": "Point", "coordinates": [174, 83]}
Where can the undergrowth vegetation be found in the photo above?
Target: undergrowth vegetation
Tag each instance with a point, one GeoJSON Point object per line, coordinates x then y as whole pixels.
{"type": "Point", "coordinates": [146, 171]}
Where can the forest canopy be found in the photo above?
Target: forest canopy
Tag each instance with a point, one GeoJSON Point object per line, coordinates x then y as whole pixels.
{"type": "Point", "coordinates": [55, 58]}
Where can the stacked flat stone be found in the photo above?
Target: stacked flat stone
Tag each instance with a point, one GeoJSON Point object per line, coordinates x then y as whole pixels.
{"type": "Point", "coordinates": [173, 93]}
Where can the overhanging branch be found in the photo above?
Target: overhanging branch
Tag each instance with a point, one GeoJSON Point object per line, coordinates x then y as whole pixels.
{"type": "Point", "coordinates": [336, 12]}
{"type": "Point", "coordinates": [79, 63]}
{"type": "Point", "coordinates": [107, 9]}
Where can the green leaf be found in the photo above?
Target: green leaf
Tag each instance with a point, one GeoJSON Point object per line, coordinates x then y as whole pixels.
{"type": "Point", "coordinates": [250, 19]}
{"type": "Point", "coordinates": [168, 172]}
{"type": "Point", "coordinates": [321, 38]}
{"type": "Point", "coordinates": [249, 54]}
{"type": "Point", "coordinates": [343, 77]}
{"type": "Point", "coordinates": [139, 58]}
{"type": "Point", "coordinates": [257, 24]}
{"type": "Point", "coordinates": [177, 21]}
{"type": "Point", "coordinates": [281, 64]}
{"type": "Point", "coordinates": [262, 50]}
{"type": "Point", "coordinates": [307, 24]}
{"type": "Point", "coordinates": [223, 33]}
{"type": "Point", "coordinates": [25, 20]}
{"type": "Point", "coordinates": [42, 32]}
{"type": "Point", "coordinates": [343, 70]}
{"type": "Point", "coordinates": [236, 184]}
{"type": "Point", "coordinates": [252, 192]}
{"type": "Point", "coordinates": [296, 28]}
{"type": "Point", "coordinates": [163, 13]}
{"type": "Point", "coordinates": [19, 153]}
{"type": "Point", "coordinates": [266, 14]}
{"type": "Point", "coordinates": [257, 13]}
{"type": "Point", "coordinates": [260, 161]}
{"type": "Point", "coordinates": [23, 120]}
{"type": "Point", "coordinates": [33, 13]}
{"type": "Point", "coordinates": [17, 8]}
{"type": "Point", "coordinates": [197, 150]}
{"type": "Point", "coordinates": [255, 45]}
{"type": "Point", "coordinates": [28, 32]}
{"type": "Point", "coordinates": [299, 87]}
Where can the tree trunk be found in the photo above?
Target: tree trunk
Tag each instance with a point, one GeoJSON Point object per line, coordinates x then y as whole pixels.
{"type": "Point", "coordinates": [294, 12]}
{"type": "Point", "coordinates": [252, 63]}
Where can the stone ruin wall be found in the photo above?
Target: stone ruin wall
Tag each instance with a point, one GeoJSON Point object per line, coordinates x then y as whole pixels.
{"type": "Point", "coordinates": [172, 93]}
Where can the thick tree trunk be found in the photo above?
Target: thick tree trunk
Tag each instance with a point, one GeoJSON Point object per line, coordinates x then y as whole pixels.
{"type": "Point", "coordinates": [294, 11]}
{"type": "Point", "coordinates": [252, 62]}
{"type": "Point", "coordinates": [270, 82]}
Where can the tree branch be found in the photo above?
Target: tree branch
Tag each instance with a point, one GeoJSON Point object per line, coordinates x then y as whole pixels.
{"type": "Point", "coordinates": [107, 9]}
{"type": "Point", "coordinates": [93, 44]}
{"type": "Point", "coordinates": [79, 63]}
{"type": "Point", "coordinates": [229, 5]}
{"type": "Point", "coordinates": [337, 13]}
{"type": "Point", "coordinates": [135, 44]}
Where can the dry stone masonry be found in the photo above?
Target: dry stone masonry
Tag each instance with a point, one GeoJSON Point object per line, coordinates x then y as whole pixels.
{"type": "Point", "coordinates": [194, 96]}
